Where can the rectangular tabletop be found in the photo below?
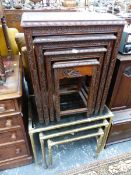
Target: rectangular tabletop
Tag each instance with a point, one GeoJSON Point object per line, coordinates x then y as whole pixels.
{"type": "Point", "coordinates": [30, 19]}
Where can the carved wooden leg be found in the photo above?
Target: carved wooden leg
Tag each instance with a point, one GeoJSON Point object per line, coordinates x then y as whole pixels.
{"type": "Point", "coordinates": [57, 94]}
{"type": "Point", "coordinates": [103, 76]}
{"type": "Point", "coordinates": [50, 88]}
{"type": "Point", "coordinates": [41, 70]}
{"type": "Point", "coordinates": [34, 74]}
{"type": "Point", "coordinates": [97, 82]}
{"type": "Point", "coordinates": [92, 88]}
{"type": "Point", "coordinates": [107, 85]}
{"type": "Point", "coordinates": [111, 68]}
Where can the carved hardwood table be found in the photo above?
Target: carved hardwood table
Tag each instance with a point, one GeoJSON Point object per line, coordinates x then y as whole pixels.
{"type": "Point", "coordinates": [65, 26]}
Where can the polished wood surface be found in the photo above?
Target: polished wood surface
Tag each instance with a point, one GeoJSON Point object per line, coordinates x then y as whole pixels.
{"type": "Point", "coordinates": [120, 90]}
{"type": "Point", "coordinates": [119, 100]}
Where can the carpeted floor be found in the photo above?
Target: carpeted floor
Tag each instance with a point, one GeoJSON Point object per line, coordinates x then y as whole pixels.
{"type": "Point", "coordinates": [119, 165]}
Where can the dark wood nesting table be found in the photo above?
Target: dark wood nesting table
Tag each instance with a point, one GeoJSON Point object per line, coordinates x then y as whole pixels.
{"type": "Point", "coordinates": [55, 25]}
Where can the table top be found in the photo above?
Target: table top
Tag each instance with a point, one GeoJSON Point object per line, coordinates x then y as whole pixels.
{"type": "Point", "coordinates": [122, 116]}
{"type": "Point", "coordinates": [50, 39]}
{"type": "Point", "coordinates": [34, 126]}
{"type": "Point", "coordinates": [124, 57]}
{"type": "Point", "coordinates": [32, 19]}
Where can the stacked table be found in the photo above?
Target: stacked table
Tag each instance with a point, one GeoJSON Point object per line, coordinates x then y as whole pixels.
{"type": "Point", "coordinates": [73, 130]}
{"type": "Point", "coordinates": [59, 38]}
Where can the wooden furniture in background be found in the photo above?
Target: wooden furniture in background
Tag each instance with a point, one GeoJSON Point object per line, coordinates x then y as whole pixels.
{"type": "Point", "coordinates": [120, 91]}
{"type": "Point", "coordinates": [62, 25]}
{"type": "Point", "coordinates": [121, 127]}
{"type": "Point", "coordinates": [14, 149]}
{"type": "Point", "coordinates": [14, 16]}
{"type": "Point", "coordinates": [119, 100]}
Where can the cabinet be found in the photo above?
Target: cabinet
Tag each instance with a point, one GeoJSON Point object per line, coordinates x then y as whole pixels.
{"type": "Point", "coordinates": [119, 100]}
{"type": "Point", "coordinates": [119, 97]}
{"type": "Point", "coordinates": [14, 148]}
{"type": "Point", "coordinates": [121, 127]}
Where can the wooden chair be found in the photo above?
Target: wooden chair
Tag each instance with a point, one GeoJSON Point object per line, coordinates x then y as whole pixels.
{"type": "Point", "coordinates": [75, 69]}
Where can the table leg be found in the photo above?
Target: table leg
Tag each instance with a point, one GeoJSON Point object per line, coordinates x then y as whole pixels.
{"type": "Point", "coordinates": [33, 147]}
{"type": "Point", "coordinates": [50, 152]}
{"type": "Point", "coordinates": [42, 143]}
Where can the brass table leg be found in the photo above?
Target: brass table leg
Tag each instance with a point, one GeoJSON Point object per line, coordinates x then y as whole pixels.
{"type": "Point", "coordinates": [49, 143]}
{"type": "Point", "coordinates": [99, 145]}
{"type": "Point", "coordinates": [102, 134]}
{"type": "Point", "coordinates": [102, 139]}
{"type": "Point", "coordinates": [106, 131]}
{"type": "Point", "coordinates": [33, 147]}
{"type": "Point", "coordinates": [53, 143]}
{"type": "Point", "coordinates": [42, 143]}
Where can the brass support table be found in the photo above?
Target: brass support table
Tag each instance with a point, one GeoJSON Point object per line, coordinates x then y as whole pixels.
{"type": "Point", "coordinates": [98, 126]}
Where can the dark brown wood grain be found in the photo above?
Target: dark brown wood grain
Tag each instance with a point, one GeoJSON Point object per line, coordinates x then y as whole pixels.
{"type": "Point", "coordinates": [34, 74]}
{"type": "Point", "coordinates": [119, 100]}
{"type": "Point", "coordinates": [111, 68]}
{"type": "Point", "coordinates": [120, 91]}
{"type": "Point", "coordinates": [43, 84]}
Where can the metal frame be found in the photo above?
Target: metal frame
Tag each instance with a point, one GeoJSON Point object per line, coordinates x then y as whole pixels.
{"type": "Point", "coordinates": [43, 136]}
{"type": "Point", "coordinates": [51, 143]}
